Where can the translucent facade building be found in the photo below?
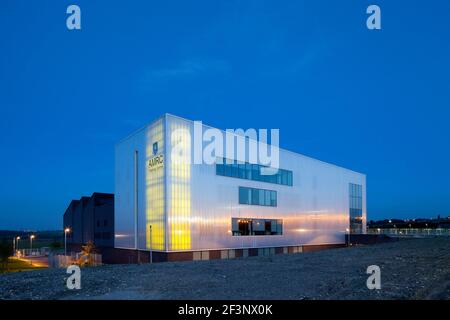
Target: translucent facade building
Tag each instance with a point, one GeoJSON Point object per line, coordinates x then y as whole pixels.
{"type": "Point", "coordinates": [178, 209]}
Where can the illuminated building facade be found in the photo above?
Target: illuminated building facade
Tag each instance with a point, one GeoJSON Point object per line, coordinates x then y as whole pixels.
{"type": "Point", "coordinates": [183, 211]}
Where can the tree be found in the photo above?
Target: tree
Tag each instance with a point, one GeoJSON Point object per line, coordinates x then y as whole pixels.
{"type": "Point", "coordinates": [5, 253]}
{"type": "Point", "coordinates": [55, 245]}
{"type": "Point", "coordinates": [87, 254]}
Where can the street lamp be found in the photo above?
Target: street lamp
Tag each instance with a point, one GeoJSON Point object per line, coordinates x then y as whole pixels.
{"type": "Point", "coordinates": [31, 242]}
{"type": "Point", "coordinates": [66, 231]}
{"type": "Point", "coordinates": [17, 244]}
{"type": "Point", "coordinates": [31, 247]}
{"type": "Point", "coordinates": [348, 232]}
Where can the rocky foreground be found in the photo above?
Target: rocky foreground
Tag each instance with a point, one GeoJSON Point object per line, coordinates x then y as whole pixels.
{"type": "Point", "coordinates": [410, 269]}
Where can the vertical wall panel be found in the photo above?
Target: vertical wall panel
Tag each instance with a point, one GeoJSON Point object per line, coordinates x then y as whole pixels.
{"type": "Point", "coordinates": [154, 188]}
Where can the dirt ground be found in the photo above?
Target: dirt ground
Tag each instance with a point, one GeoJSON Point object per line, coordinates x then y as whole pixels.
{"type": "Point", "coordinates": [410, 269]}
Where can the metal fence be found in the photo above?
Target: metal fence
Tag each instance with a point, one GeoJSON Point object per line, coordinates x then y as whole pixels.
{"type": "Point", "coordinates": [412, 232]}
{"type": "Point", "coordinates": [44, 251]}
{"type": "Point", "coordinates": [37, 252]}
{"type": "Point", "coordinates": [59, 261]}
{"type": "Point", "coordinates": [63, 261]}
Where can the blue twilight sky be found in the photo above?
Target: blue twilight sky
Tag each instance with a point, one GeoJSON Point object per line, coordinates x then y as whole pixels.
{"type": "Point", "coordinates": [372, 101]}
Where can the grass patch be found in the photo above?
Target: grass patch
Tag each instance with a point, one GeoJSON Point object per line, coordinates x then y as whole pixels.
{"type": "Point", "coordinates": [15, 265]}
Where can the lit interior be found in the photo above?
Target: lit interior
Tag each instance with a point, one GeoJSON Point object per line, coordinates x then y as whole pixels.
{"type": "Point", "coordinates": [180, 176]}
{"type": "Point", "coordinates": [155, 190]}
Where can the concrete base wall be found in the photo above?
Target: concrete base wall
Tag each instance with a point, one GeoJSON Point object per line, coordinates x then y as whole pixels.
{"type": "Point", "coordinates": [127, 256]}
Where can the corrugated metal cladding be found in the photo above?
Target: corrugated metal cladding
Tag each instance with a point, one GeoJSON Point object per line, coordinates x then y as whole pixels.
{"type": "Point", "coordinates": [191, 207]}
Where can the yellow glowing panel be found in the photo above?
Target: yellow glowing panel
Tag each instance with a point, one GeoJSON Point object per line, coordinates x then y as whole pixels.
{"type": "Point", "coordinates": [155, 190]}
{"type": "Point", "coordinates": [180, 202]}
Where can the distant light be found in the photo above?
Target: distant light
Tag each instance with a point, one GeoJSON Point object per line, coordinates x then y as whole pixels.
{"type": "Point", "coordinates": [18, 238]}
{"type": "Point", "coordinates": [117, 235]}
{"type": "Point", "coordinates": [390, 221]}
{"type": "Point", "coordinates": [32, 236]}
{"type": "Point", "coordinates": [67, 230]}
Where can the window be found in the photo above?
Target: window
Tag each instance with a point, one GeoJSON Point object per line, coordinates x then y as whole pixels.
{"type": "Point", "coordinates": [220, 169]}
{"type": "Point", "coordinates": [283, 177]}
{"type": "Point", "coordinates": [273, 199]}
{"type": "Point", "coordinates": [244, 195]}
{"type": "Point", "coordinates": [257, 197]}
{"type": "Point", "coordinates": [267, 198]}
{"type": "Point", "coordinates": [256, 227]}
{"type": "Point", "coordinates": [230, 168]}
{"type": "Point", "coordinates": [244, 227]}
{"type": "Point", "coordinates": [289, 178]}
{"type": "Point", "coordinates": [355, 207]}
{"type": "Point", "coordinates": [234, 170]}
{"type": "Point", "coordinates": [241, 173]}
{"type": "Point", "coordinates": [227, 170]}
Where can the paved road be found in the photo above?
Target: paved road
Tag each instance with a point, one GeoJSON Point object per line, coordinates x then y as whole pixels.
{"type": "Point", "coordinates": [40, 261]}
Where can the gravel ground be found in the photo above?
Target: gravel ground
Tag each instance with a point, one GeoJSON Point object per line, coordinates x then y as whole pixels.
{"type": "Point", "coordinates": [410, 269]}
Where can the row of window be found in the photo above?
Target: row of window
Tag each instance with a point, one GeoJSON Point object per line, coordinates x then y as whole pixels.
{"type": "Point", "coordinates": [356, 225]}
{"type": "Point", "coordinates": [254, 172]}
{"type": "Point", "coordinates": [355, 203]}
{"type": "Point", "coordinates": [256, 227]}
{"type": "Point", "coordinates": [257, 197]}
{"type": "Point", "coordinates": [355, 212]}
{"type": "Point", "coordinates": [355, 206]}
{"type": "Point", "coordinates": [355, 190]}
{"type": "Point", "coordinates": [355, 196]}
